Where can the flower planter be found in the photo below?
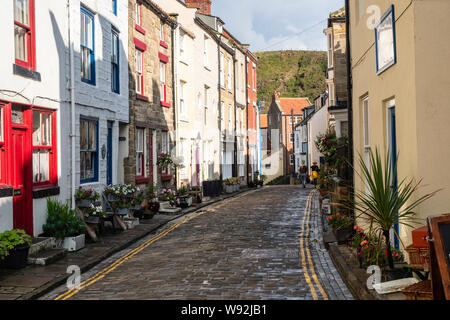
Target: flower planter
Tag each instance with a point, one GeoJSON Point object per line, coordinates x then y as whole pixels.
{"type": "Point", "coordinates": [148, 215]}
{"type": "Point", "coordinates": [185, 202]}
{"type": "Point", "coordinates": [131, 223]}
{"type": "Point", "coordinates": [138, 213]}
{"type": "Point", "coordinates": [123, 211]}
{"type": "Point", "coordinates": [400, 271]}
{"type": "Point", "coordinates": [17, 257]}
{"type": "Point", "coordinates": [92, 220]}
{"type": "Point", "coordinates": [74, 243]}
{"type": "Point", "coordinates": [84, 203]}
{"type": "Point", "coordinates": [166, 177]}
{"type": "Point", "coordinates": [229, 189]}
{"type": "Point", "coordinates": [111, 197]}
{"type": "Point", "coordinates": [343, 234]}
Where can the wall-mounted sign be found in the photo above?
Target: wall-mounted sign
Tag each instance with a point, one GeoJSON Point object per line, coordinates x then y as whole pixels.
{"type": "Point", "coordinates": [385, 46]}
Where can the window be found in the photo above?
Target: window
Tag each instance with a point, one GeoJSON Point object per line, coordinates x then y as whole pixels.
{"type": "Point", "coordinates": [230, 118]}
{"type": "Point", "coordinates": [138, 15]}
{"type": "Point", "coordinates": [366, 139]}
{"type": "Point", "coordinates": [330, 50]}
{"type": "Point", "coordinates": [304, 147]}
{"type": "Point", "coordinates": [385, 47]}
{"type": "Point", "coordinates": [182, 97]}
{"type": "Point", "coordinates": [114, 6]}
{"type": "Point", "coordinates": [164, 142]}
{"type": "Point", "coordinates": [254, 77]}
{"type": "Point", "coordinates": [139, 73]}
{"type": "Point", "coordinates": [140, 152]}
{"type": "Point", "coordinates": [292, 159]}
{"type": "Point", "coordinates": [88, 150]}
{"type": "Point", "coordinates": [162, 35]}
{"type": "Point", "coordinates": [344, 128]}
{"type": "Point", "coordinates": [182, 46]}
{"type": "Point", "coordinates": [115, 83]}
{"type": "Point", "coordinates": [331, 94]}
{"type": "Point", "coordinates": [229, 73]}
{"type": "Point", "coordinates": [222, 71]}
{"type": "Point", "coordinates": [162, 77]}
{"type": "Point", "coordinates": [222, 116]}
{"type": "Point", "coordinates": [24, 34]}
{"type": "Point", "coordinates": [291, 138]}
{"type": "Point", "coordinates": [205, 52]}
{"type": "Point", "coordinates": [87, 47]}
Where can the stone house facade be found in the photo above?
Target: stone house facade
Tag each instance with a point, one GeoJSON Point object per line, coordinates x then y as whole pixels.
{"type": "Point", "coordinates": [151, 92]}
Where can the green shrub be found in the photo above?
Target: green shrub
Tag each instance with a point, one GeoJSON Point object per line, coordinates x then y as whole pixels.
{"type": "Point", "coordinates": [11, 239]}
{"type": "Point", "coordinates": [62, 222]}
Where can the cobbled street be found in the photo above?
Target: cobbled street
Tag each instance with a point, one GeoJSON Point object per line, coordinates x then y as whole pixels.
{"type": "Point", "coordinates": [263, 244]}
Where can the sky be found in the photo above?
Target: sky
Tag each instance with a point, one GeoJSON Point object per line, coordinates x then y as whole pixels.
{"type": "Point", "coordinates": [269, 25]}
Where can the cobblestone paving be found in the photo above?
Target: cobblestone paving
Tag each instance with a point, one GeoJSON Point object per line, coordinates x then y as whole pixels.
{"type": "Point", "coordinates": [244, 248]}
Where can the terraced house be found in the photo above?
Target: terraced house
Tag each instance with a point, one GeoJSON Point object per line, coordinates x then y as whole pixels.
{"type": "Point", "coordinates": [63, 102]}
{"type": "Point", "coordinates": [151, 93]}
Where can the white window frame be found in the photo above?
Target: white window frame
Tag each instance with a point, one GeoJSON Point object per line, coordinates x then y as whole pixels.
{"type": "Point", "coordinates": [162, 79]}
{"type": "Point", "coordinates": [138, 14]}
{"type": "Point", "coordinates": [222, 71]}
{"type": "Point", "coordinates": [141, 150]}
{"type": "Point", "coordinates": [182, 93]}
{"type": "Point", "coordinates": [229, 74]}
{"type": "Point", "coordinates": [139, 56]}
{"type": "Point", "coordinates": [205, 52]}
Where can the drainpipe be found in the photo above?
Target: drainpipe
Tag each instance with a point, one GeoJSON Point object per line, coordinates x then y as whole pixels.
{"type": "Point", "coordinates": [174, 98]}
{"type": "Point", "coordinates": [349, 98]}
{"type": "Point", "coordinates": [72, 109]}
{"type": "Point", "coordinates": [220, 113]}
{"type": "Point", "coordinates": [258, 130]}
{"type": "Point", "coordinates": [235, 117]}
{"type": "Point", "coordinates": [247, 158]}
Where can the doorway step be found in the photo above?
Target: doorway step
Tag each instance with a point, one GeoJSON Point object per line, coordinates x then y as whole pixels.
{"type": "Point", "coordinates": [42, 252]}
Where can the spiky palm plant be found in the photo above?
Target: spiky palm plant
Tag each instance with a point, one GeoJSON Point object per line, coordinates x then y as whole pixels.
{"type": "Point", "coordinates": [382, 205]}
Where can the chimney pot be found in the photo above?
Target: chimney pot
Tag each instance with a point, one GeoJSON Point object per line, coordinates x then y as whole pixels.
{"type": "Point", "coordinates": [204, 6]}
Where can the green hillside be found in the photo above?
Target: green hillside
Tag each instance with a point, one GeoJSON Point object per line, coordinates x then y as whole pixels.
{"type": "Point", "coordinates": [292, 73]}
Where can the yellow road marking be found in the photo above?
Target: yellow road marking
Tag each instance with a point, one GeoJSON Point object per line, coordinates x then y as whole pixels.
{"type": "Point", "coordinates": [311, 264]}
{"type": "Point", "coordinates": [302, 253]}
{"type": "Point", "coordinates": [101, 274]}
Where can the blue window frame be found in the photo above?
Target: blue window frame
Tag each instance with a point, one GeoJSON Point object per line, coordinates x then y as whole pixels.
{"type": "Point", "coordinates": [114, 7]}
{"type": "Point", "coordinates": [88, 150]}
{"type": "Point", "coordinates": [385, 42]}
{"type": "Point", "coordinates": [115, 83]}
{"type": "Point", "coordinates": [87, 52]}
{"type": "Point", "coordinates": [304, 147]}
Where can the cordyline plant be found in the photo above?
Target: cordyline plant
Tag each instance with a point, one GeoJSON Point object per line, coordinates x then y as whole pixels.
{"type": "Point", "coordinates": [382, 205]}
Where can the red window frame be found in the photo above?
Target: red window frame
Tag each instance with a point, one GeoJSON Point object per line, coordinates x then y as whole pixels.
{"type": "Point", "coordinates": [30, 36]}
{"type": "Point", "coordinates": [52, 148]}
{"type": "Point", "coordinates": [140, 78]}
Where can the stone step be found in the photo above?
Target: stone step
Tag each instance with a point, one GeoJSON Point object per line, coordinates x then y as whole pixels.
{"type": "Point", "coordinates": [39, 244]}
{"type": "Point", "coordinates": [46, 257]}
{"type": "Point", "coordinates": [170, 212]}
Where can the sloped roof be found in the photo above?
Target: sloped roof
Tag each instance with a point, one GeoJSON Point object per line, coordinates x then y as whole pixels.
{"type": "Point", "coordinates": [338, 13]}
{"type": "Point", "coordinates": [296, 104]}
{"type": "Point", "coordinates": [263, 123]}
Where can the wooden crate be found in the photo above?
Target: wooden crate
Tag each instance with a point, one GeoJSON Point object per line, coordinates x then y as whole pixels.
{"type": "Point", "coordinates": [418, 257]}
{"type": "Point", "coordinates": [419, 291]}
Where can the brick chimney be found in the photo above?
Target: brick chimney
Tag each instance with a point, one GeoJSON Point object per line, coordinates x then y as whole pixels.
{"type": "Point", "coordinates": [204, 6]}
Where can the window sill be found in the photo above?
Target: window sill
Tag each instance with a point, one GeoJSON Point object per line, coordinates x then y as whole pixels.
{"type": "Point", "coordinates": [44, 192]}
{"type": "Point", "coordinates": [89, 82]}
{"type": "Point", "coordinates": [164, 44]}
{"type": "Point", "coordinates": [6, 191]}
{"type": "Point", "coordinates": [26, 73]}
{"type": "Point", "coordinates": [142, 180]}
{"type": "Point", "coordinates": [141, 97]}
{"type": "Point", "coordinates": [165, 104]}
{"type": "Point", "coordinates": [140, 29]}
{"type": "Point", "coordinates": [184, 119]}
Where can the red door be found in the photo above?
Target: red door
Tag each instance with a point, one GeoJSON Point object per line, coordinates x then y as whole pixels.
{"type": "Point", "coordinates": [21, 179]}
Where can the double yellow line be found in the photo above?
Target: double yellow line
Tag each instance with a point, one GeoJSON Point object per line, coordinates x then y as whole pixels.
{"type": "Point", "coordinates": [306, 261]}
{"type": "Point", "coordinates": [101, 274]}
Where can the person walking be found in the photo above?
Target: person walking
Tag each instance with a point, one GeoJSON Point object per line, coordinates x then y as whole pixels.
{"type": "Point", "coordinates": [303, 172]}
{"type": "Point", "coordinates": [314, 173]}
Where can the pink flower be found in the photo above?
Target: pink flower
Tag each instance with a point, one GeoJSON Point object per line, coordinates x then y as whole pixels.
{"type": "Point", "coordinates": [355, 227]}
{"type": "Point", "coordinates": [363, 242]}
{"type": "Point", "coordinates": [342, 167]}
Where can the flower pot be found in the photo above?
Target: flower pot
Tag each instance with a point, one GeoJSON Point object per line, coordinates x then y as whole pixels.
{"type": "Point", "coordinates": [17, 257]}
{"type": "Point", "coordinates": [111, 197]}
{"type": "Point", "coordinates": [400, 271]}
{"type": "Point", "coordinates": [138, 213]}
{"type": "Point", "coordinates": [229, 189]}
{"type": "Point", "coordinates": [148, 215]}
{"type": "Point", "coordinates": [84, 203]}
{"type": "Point", "coordinates": [343, 234]}
{"type": "Point", "coordinates": [74, 243]}
{"type": "Point", "coordinates": [92, 220]}
{"type": "Point", "coordinates": [123, 211]}
{"type": "Point", "coordinates": [185, 202]}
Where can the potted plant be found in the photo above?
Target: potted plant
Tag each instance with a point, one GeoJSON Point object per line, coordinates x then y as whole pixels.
{"type": "Point", "coordinates": [228, 185]}
{"type": "Point", "coordinates": [184, 199]}
{"type": "Point", "coordinates": [121, 197]}
{"type": "Point", "coordinates": [14, 247]}
{"type": "Point", "coordinates": [65, 226]}
{"type": "Point", "coordinates": [342, 226]}
{"type": "Point", "coordinates": [168, 195]}
{"type": "Point", "coordinates": [85, 197]}
{"type": "Point", "coordinates": [383, 206]}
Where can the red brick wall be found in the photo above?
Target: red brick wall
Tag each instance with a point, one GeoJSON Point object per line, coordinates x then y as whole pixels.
{"type": "Point", "coordinates": [204, 6]}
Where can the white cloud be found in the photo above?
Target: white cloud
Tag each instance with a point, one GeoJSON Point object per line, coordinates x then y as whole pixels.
{"type": "Point", "coordinates": [270, 25]}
